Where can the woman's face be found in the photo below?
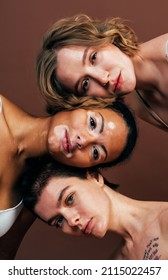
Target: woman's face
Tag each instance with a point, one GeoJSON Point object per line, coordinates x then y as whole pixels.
{"type": "Point", "coordinates": [86, 138]}
{"type": "Point", "coordinates": [95, 71]}
{"type": "Point", "coordinates": [76, 206]}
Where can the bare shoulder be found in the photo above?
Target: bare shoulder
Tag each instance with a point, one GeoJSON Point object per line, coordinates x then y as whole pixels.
{"type": "Point", "coordinates": [155, 44]}
{"type": "Point", "coordinates": [160, 39]}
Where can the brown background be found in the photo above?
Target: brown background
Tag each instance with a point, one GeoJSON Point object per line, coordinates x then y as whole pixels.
{"type": "Point", "coordinates": [144, 176]}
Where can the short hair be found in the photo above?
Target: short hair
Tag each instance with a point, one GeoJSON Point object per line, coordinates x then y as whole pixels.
{"type": "Point", "coordinates": [80, 30]}
{"type": "Point", "coordinates": [41, 170]}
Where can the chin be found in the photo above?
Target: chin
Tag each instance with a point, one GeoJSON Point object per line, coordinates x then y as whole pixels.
{"type": "Point", "coordinates": [99, 232]}
{"type": "Point", "coordinates": [100, 235]}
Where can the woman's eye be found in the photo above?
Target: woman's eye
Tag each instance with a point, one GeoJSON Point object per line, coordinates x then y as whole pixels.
{"type": "Point", "coordinates": [70, 199]}
{"type": "Point", "coordinates": [93, 57]}
{"type": "Point", "coordinates": [95, 153]}
{"type": "Point", "coordinates": [93, 123]}
{"type": "Point", "coordinates": [85, 84]}
{"type": "Point", "coordinates": [59, 222]}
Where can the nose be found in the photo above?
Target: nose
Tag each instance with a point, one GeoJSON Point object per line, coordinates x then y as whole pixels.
{"type": "Point", "coordinates": [83, 140]}
{"type": "Point", "coordinates": [73, 220]}
{"type": "Point", "coordinates": [101, 76]}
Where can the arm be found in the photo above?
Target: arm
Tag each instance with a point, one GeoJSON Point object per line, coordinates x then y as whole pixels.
{"type": "Point", "coordinates": [9, 243]}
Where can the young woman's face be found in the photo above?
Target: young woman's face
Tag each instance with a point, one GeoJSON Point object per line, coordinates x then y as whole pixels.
{"type": "Point", "coordinates": [95, 71]}
{"type": "Point", "coordinates": [76, 206]}
{"type": "Point", "coordinates": [85, 138]}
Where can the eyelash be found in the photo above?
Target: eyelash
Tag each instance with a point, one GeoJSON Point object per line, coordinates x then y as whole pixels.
{"type": "Point", "coordinates": [85, 82]}
{"type": "Point", "coordinates": [95, 153]}
{"type": "Point", "coordinates": [68, 201]}
{"type": "Point", "coordinates": [57, 223]}
{"type": "Point", "coordinates": [93, 123]}
{"type": "Point", "coordinates": [93, 57]}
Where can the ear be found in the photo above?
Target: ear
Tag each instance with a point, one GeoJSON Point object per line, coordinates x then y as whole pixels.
{"type": "Point", "coordinates": [97, 177]}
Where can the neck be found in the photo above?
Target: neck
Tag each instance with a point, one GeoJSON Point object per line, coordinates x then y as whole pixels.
{"type": "Point", "coordinates": [130, 218]}
{"type": "Point", "coordinates": [29, 134]}
{"type": "Point", "coordinates": [33, 140]}
{"type": "Point", "coordinates": [148, 64]}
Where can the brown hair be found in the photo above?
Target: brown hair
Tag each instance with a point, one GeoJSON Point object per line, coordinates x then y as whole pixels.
{"type": "Point", "coordinates": [80, 30]}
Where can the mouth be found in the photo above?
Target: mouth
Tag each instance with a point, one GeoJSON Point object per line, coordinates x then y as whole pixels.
{"type": "Point", "coordinates": [117, 82]}
{"type": "Point", "coordinates": [88, 227]}
{"type": "Point", "coordinates": [66, 143]}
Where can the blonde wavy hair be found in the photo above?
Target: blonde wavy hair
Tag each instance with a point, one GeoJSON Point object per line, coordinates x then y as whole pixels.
{"type": "Point", "coordinates": [79, 30]}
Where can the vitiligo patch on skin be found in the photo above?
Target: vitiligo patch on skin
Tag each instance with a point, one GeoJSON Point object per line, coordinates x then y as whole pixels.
{"type": "Point", "coordinates": [96, 117]}
{"type": "Point", "coordinates": [111, 125]}
{"type": "Point", "coordinates": [58, 130]}
{"type": "Point", "coordinates": [56, 136]}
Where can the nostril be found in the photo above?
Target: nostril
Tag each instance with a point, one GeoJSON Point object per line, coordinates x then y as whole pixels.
{"type": "Point", "coordinates": [78, 142]}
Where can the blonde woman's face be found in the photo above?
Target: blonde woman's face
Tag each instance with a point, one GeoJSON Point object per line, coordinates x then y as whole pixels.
{"type": "Point", "coordinates": [85, 138]}
{"type": "Point", "coordinates": [95, 71]}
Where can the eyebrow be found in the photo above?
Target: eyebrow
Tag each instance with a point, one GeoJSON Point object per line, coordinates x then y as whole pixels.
{"type": "Point", "coordinates": [85, 55]}
{"type": "Point", "coordinates": [58, 204]}
{"type": "Point", "coordinates": [105, 151]}
{"type": "Point", "coordinates": [61, 195]}
{"type": "Point", "coordinates": [102, 123]}
{"type": "Point", "coordinates": [83, 63]}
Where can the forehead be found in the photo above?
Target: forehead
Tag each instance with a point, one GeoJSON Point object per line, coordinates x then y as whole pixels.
{"type": "Point", "coordinates": [55, 186]}
{"type": "Point", "coordinates": [69, 51]}
{"type": "Point", "coordinates": [49, 197]}
{"type": "Point", "coordinates": [72, 55]}
{"type": "Point", "coordinates": [69, 61]}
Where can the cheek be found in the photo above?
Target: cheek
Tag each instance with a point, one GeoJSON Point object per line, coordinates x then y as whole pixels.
{"type": "Point", "coordinates": [110, 131]}
{"type": "Point", "coordinates": [59, 131]}
{"type": "Point", "coordinates": [117, 129]}
{"type": "Point", "coordinates": [55, 138]}
{"type": "Point", "coordinates": [79, 158]}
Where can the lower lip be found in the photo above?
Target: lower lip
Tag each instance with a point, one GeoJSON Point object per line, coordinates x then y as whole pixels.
{"type": "Point", "coordinates": [119, 83]}
{"type": "Point", "coordinates": [89, 227]}
{"type": "Point", "coordinates": [65, 142]}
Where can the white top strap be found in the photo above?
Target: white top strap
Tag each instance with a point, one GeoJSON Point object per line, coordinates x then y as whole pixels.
{"type": "Point", "coordinates": [8, 217]}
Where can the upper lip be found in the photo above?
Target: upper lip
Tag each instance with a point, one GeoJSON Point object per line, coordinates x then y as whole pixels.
{"type": "Point", "coordinates": [66, 143]}
{"type": "Point", "coordinates": [87, 228]}
{"type": "Point", "coordinates": [116, 82]}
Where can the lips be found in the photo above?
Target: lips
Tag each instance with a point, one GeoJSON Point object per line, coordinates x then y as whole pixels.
{"type": "Point", "coordinates": [66, 144]}
{"type": "Point", "coordinates": [117, 83]}
{"type": "Point", "coordinates": [88, 227]}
